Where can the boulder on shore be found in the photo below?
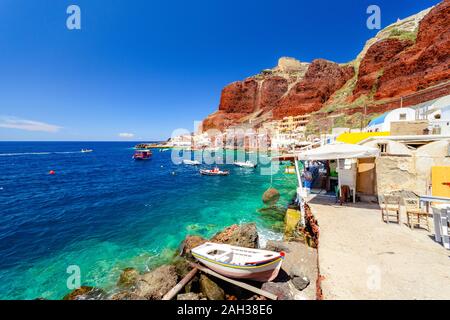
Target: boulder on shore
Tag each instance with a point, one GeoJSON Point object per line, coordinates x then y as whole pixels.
{"type": "Point", "coordinates": [128, 277]}
{"type": "Point", "coordinates": [283, 290]}
{"type": "Point", "coordinates": [188, 296]}
{"type": "Point", "coordinates": [85, 293]}
{"type": "Point", "coordinates": [210, 289]}
{"type": "Point", "coordinates": [300, 283]}
{"type": "Point", "coordinates": [189, 243]}
{"type": "Point", "coordinates": [155, 284]}
{"type": "Point", "coordinates": [126, 295]}
{"type": "Point", "coordinates": [245, 235]}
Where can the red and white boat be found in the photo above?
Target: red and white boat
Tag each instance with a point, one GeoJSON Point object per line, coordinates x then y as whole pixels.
{"type": "Point", "coordinates": [238, 262]}
{"type": "Point", "coordinates": [142, 155]}
{"type": "Point", "coordinates": [214, 172]}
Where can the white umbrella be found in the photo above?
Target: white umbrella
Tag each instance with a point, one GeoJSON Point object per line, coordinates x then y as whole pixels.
{"type": "Point", "coordinates": [339, 151]}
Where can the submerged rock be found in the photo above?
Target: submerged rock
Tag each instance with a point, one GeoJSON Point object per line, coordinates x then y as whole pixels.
{"type": "Point", "coordinates": [273, 212]}
{"type": "Point", "coordinates": [245, 235]}
{"type": "Point", "coordinates": [188, 296]}
{"type": "Point", "coordinates": [128, 277]}
{"type": "Point", "coordinates": [85, 293]}
{"type": "Point", "coordinates": [271, 197]}
{"type": "Point", "coordinates": [155, 284]}
{"type": "Point", "coordinates": [210, 289]}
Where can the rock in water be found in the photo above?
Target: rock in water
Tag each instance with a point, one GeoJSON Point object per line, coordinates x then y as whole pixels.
{"type": "Point", "coordinates": [210, 289]}
{"type": "Point", "coordinates": [245, 235]}
{"type": "Point", "coordinates": [155, 284]}
{"type": "Point", "coordinates": [128, 277]}
{"type": "Point", "coordinates": [271, 197]}
{"type": "Point", "coordinates": [85, 293]}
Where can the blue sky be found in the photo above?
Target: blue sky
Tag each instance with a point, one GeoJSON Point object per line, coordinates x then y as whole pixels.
{"type": "Point", "coordinates": [149, 67]}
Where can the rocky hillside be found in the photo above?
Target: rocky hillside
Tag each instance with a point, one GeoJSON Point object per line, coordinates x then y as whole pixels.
{"type": "Point", "coordinates": [406, 57]}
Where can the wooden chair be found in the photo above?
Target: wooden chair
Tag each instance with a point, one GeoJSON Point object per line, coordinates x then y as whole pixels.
{"type": "Point", "coordinates": [415, 215]}
{"type": "Point", "coordinates": [390, 208]}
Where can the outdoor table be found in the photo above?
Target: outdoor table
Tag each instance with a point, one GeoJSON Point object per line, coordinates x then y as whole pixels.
{"type": "Point", "coordinates": [441, 218]}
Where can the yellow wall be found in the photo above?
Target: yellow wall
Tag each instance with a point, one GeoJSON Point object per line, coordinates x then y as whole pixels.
{"type": "Point", "coordinates": [440, 177]}
{"type": "Point", "coordinates": [355, 137]}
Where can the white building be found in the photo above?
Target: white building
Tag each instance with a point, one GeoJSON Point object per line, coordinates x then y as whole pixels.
{"type": "Point", "coordinates": [383, 123]}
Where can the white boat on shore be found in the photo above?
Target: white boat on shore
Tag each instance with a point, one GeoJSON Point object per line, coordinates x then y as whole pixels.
{"type": "Point", "coordinates": [191, 162]}
{"type": "Point", "coordinates": [238, 262]}
{"type": "Point", "coordinates": [246, 164]}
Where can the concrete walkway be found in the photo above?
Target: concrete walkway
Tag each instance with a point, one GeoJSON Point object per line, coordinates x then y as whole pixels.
{"type": "Point", "coordinates": [361, 257]}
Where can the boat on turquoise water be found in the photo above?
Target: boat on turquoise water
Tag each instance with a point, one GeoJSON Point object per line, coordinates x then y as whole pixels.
{"type": "Point", "coordinates": [191, 162]}
{"type": "Point", "coordinates": [214, 172]}
{"type": "Point", "coordinates": [86, 150]}
{"type": "Point", "coordinates": [238, 262]}
{"type": "Point", "coordinates": [246, 164]}
{"type": "Point", "coordinates": [142, 155]}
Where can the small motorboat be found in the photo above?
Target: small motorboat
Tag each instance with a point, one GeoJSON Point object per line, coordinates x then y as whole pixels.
{"type": "Point", "coordinates": [86, 150]}
{"type": "Point", "coordinates": [191, 162]}
{"type": "Point", "coordinates": [164, 150]}
{"type": "Point", "coordinates": [238, 262]}
{"type": "Point", "coordinates": [246, 164]}
{"type": "Point", "coordinates": [142, 155]}
{"type": "Point", "coordinates": [214, 172]}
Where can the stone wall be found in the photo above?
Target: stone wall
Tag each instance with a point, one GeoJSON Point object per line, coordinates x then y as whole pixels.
{"type": "Point", "coordinates": [412, 172]}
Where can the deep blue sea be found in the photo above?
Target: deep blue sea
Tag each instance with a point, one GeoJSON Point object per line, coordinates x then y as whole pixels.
{"type": "Point", "coordinates": [103, 212]}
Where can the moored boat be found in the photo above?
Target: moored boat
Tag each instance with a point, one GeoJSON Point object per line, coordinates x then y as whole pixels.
{"type": "Point", "coordinates": [238, 262]}
{"type": "Point", "coordinates": [214, 172]}
{"type": "Point", "coordinates": [246, 164]}
{"type": "Point", "coordinates": [191, 162]}
{"type": "Point", "coordinates": [142, 155]}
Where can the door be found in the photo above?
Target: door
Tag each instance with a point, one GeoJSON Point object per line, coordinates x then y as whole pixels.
{"type": "Point", "coordinates": [365, 181]}
{"type": "Point", "coordinates": [440, 178]}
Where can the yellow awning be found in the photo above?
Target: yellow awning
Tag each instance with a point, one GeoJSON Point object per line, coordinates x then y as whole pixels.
{"type": "Point", "coordinates": [356, 137]}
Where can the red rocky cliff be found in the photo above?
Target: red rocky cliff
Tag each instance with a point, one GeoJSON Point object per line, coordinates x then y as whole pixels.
{"type": "Point", "coordinates": [415, 66]}
{"type": "Point", "coordinates": [393, 64]}
{"type": "Point", "coordinates": [321, 80]}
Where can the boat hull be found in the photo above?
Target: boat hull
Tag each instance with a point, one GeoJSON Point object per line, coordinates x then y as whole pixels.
{"type": "Point", "coordinates": [263, 273]}
{"type": "Point", "coordinates": [208, 173]}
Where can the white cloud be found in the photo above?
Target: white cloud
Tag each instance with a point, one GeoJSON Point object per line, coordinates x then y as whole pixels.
{"type": "Point", "coordinates": [126, 135]}
{"type": "Point", "coordinates": [28, 125]}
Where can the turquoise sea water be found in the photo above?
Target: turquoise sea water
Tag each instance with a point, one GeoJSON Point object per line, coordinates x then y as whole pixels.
{"type": "Point", "coordinates": [103, 212]}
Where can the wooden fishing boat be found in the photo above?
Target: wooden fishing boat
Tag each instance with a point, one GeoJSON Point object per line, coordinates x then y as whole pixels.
{"type": "Point", "coordinates": [238, 262]}
{"type": "Point", "coordinates": [214, 172]}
